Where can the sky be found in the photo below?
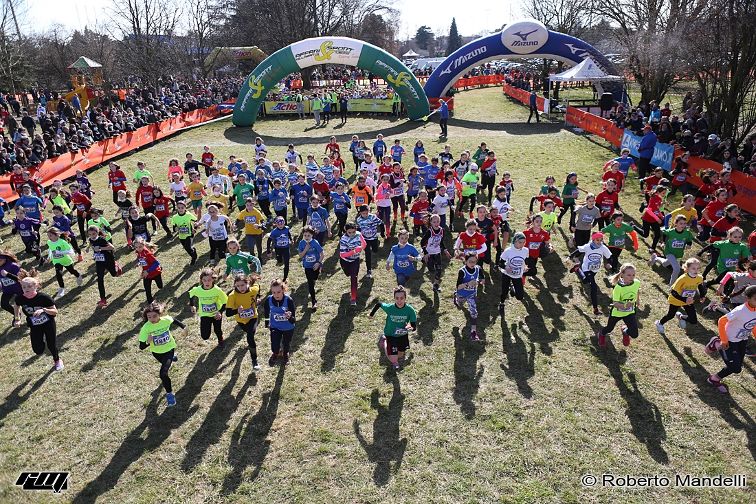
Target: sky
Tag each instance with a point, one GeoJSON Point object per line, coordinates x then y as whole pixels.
{"type": "Point", "coordinates": [478, 16]}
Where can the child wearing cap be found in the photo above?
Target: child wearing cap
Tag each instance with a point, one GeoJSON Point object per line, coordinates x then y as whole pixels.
{"type": "Point", "coordinates": [594, 253]}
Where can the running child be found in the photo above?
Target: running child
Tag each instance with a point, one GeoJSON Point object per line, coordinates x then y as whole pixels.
{"type": "Point", "coordinates": [570, 193]}
{"type": "Point", "coordinates": [183, 224]}
{"type": "Point", "coordinates": [280, 240]}
{"type": "Point", "coordinates": [383, 200]}
{"type": "Point", "coordinates": [40, 312]}
{"type": "Point", "coordinates": [470, 241]}
{"type": "Point", "coordinates": [254, 225]}
{"type": "Point", "coordinates": [83, 204]}
{"type": "Point", "coordinates": [469, 182]}
{"type": "Point", "coordinates": [116, 180]}
{"type": "Point", "coordinates": [538, 242]}
{"type": "Point", "coordinates": [400, 319]}
{"type": "Point", "coordinates": [676, 240]}
{"type": "Point", "coordinates": [419, 213]}
{"type": "Point", "coordinates": [27, 229]}
{"type": "Point", "coordinates": [593, 255]}
{"type": "Point", "coordinates": [436, 237]}
{"type": "Point", "coordinates": [11, 275]}
{"type": "Point", "coordinates": [341, 205]}
{"type": "Point", "coordinates": [513, 266]}
{"type": "Point", "coordinates": [242, 305]}
{"type": "Point", "coordinates": [151, 268]}
{"type": "Point", "coordinates": [311, 253]}
{"type": "Point", "coordinates": [683, 295]}
{"type": "Point", "coordinates": [210, 301]}
{"type": "Point", "coordinates": [136, 226]}
{"type": "Point", "coordinates": [618, 231]}
{"type": "Point", "coordinates": [608, 201]}
{"type": "Point", "coordinates": [402, 258]}
{"type": "Point", "coordinates": [217, 227]}
{"type": "Point", "coordinates": [196, 191]}
{"type": "Point", "coordinates": [237, 262]}
{"type": "Point", "coordinates": [105, 262]}
{"type": "Point", "coordinates": [60, 253]}
{"type": "Point", "coordinates": [162, 212]}
{"type": "Point", "coordinates": [369, 226]}
{"type": "Point", "coordinates": [318, 219]}
{"type": "Point", "coordinates": [63, 224]}
{"type": "Point", "coordinates": [470, 276]}
{"type": "Point", "coordinates": [625, 299]}
{"type": "Point", "coordinates": [279, 199]}
{"type": "Point", "coordinates": [726, 254]}
{"type": "Point", "coordinates": [144, 198]}
{"type": "Point", "coordinates": [586, 216]}
{"type": "Point", "coordinates": [156, 334]}
{"type": "Point", "coordinates": [97, 219]}
{"type": "Point", "coordinates": [350, 247]}
{"type": "Point", "coordinates": [280, 317]}
{"type": "Point", "coordinates": [242, 192]}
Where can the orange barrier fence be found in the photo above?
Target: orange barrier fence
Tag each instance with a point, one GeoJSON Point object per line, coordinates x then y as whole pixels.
{"type": "Point", "coordinates": [522, 96]}
{"type": "Point", "coordinates": [594, 124]}
{"type": "Point", "coordinates": [479, 80]}
{"type": "Point", "coordinates": [434, 103]}
{"type": "Point", "coordinates": [65, 165]}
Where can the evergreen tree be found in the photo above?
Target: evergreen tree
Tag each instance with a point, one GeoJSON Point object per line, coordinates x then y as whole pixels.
{"type": "Point", "coordinates": [455, 41]}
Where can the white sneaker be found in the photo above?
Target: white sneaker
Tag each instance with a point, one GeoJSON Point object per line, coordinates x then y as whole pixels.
{"type": "Point", "coordinates": [571, 243]}
{"type": "Point", "coordinates": [79, 280]}
{"type": "Point", "coordinates": [59, 365]}
{"type": "Point", "coordinates": [659, 327]}
{"type": "Point", "coordinates": [681, 321]}
{"type": "Point", "coordinates": [61, 292]}
{"type": "Point", "coordinates": [652, 259]}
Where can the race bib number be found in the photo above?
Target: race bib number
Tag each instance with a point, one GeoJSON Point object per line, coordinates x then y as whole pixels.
{"type": "Point", "coordinates": [677, 244]}
{"type": "Point", "coordinates": [99, 257]}
{"type": "Point", "coordinates": [680, 178]}
{"type": "Point", "coordinates": [24, 234]}
{"type": "Point", "coordinates": [39, 319]}
{"type": "Point", "coordinates": [161, 339]}
{"type": "Point", "coordinates": [534, 245]}
{"type": "Point", "coordinates": [619, 242]}
{"type": "Point", "coordinates": [160, 208]}
{"type": "Point", "coordinates": [250, 220]}
{"type": "Point", "coordinates": [280, 317]}
{"type": "Point", "coordinates": [6, 282]}
{"type": "Point", "coordinates": [400, 331]}
{"type": "Point", "coordinates": [80, 207]}
{"type": "Point", "coordinates": [686, 293]}
{"type": "Point", "coordinates": [218, 234]}
{"type": "Point", "coordinates": [403, 264]}
{"type": "Point", "coordinates": [58, 254]}
{"type": "Point", "coordinates": [282, 242]}
{"type": "Point", "coordinates": [142, 262]}
{"type": "Point", "coordinates": [184, 230]}
{"type": "Point", "coordinates": [209, 308]}
{"type": "Point", "coordinates": [606, 208]}
{"type": "Point", "coordinates": [731, 263]}
{"type": "Point", "coordinates": [247, 313]}
{"type": "Point", "coordinates": [587, 219]}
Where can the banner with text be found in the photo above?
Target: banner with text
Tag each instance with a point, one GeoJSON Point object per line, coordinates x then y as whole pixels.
{"type": "Point", "coordinates": [370, 105]}
{"type": "Point", "coordinates": [663, 153]}
{"type": "Point", "coordinates": [285, 107]}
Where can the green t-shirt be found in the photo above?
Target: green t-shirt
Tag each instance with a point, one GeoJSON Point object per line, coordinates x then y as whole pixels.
{"type": "Point", "coordinates": [625, 294]}
{"type": "Point", "coordinates": [317, 104]}
{"type": "Point", "coordinates": [548, 220]}
{"type": "Point", "coordinates": [242, 192]}
{"type": "Point", "coordinates": [617, 235]}
{"type": "Point", "coordinates": [158, 335]}
{"type": "Point", "coordinates": [470, 183]}
{"type": "Point", "coordinates": [61, 202]}
{"type": "Point", "coordinates": [676, 242]}
{"type": "Point", "coordinates": [397, 319]}
{"type": "Point", "coordinates": [60, 252]}
{"type": "Point", "coordinates": [101, 223]}
{"type": "Point", "coordinates": [545, 190]}
{"type": "Point", "coordinates": [569, 193]}
{"type": "Point", "coordinates": [239, 263]}
{"type": "Point", "coordinates": [729, 255]}
{"type": "Point", "coordinates": [183, 224]}
{"type": "Point", "coordinates": [210, 300]}
{"type": "Point", "coordinates": [138, 174]}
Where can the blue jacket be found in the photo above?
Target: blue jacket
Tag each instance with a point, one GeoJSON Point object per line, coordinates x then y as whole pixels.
{"type": "Point", "coordinates": [533, 101]}
{"type": "Point", "coordinates": [443, 111]}
{"type": "Point", "coordinates": [646, 146]}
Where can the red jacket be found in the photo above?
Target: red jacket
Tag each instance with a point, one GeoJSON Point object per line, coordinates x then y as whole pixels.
{"type": "Point", "coordinates": [606, 202]}
{"type": "Point", "coordinates": [82, 203]}
{"type": "Point", "coordinates": [144, 196]}
{"type": "Point", "coordinates": [161, 207]}
{"type": "Point", "coordinates": [534, 240]}
{"type": "Point", "coordinates": [418, 211]}
{"type": "Point", "coordinates": [117, 180]}
{"type": "Point", "coordinates": [149, 263]}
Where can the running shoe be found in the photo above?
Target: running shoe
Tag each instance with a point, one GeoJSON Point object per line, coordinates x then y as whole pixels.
{"type": "Point", "coordinates": [314, 306]}
{"type": "Point", "coordinates": [79, 258]}
{"type": "Point", "coordinates": [625, 337]}
{"type": "Point", "coordinates": [596, 311]}
{"type": "Point", "coordinates": [102, 303]}
{"type": "Point", "coordinates": [369, 274]}
{"type": "Point", "coordinates": [118, 269]}
{"type": "Point", "coordinates": [659, 327]}
{"type": "Point", "coordinates": [79, 280]}
{"type": "Point", "coordinates": [712, 347]}
{"type": "Point", "coordinates": [221, 342]}
{"type": "Point", "coordinates": [58, 364]}
{"type": "Point", "coordinates": [285, 359]}
{"type": "Point", "coordinates": [256, 366]}
{"type": "Point", "coordinates": [396, 367]}
{"type": "Point", "coordinates": [174, 358]}
{"type": "Point", "coordinates": [652, 259]}
{"type": "Point", "coordinates": [681, 320]}
{"type": "Point", "coordinates": [474, 336]}
{"type": "Point", "coordinates": [61, 292]}
{"type": "Point", "coordinates": [436, 287]}
{"type": "Point", "coordinates": [170, 399]}
{"type": "Point", "coordinates": [574, 268]}
{"type": "Point", "coordinates": [718, 384]}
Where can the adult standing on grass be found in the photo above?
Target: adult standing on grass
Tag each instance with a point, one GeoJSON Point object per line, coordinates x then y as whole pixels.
{"type": "Point", "coordinates": [443, 117]}
{"type": "Point", "coordinates": [533, 104]}
{"type": "Point", "coordinates": [646, 151]}
{"type": "Point", "coordinates": [317, 108]}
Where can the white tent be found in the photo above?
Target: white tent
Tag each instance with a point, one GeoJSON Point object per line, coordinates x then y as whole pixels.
{"type": "Point", "coordinates": [410, 54]}
{"type": "Point", "coordinates": [586, 70]}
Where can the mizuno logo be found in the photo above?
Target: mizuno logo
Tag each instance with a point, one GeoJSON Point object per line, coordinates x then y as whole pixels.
{"type": "Point", "coordinates": [524, 36]}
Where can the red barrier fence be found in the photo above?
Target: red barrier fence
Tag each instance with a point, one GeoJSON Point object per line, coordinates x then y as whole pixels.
{"type": "Point", "coordinates": [65, 165]}
{"type": "Point", "coordinates": [594, 124]}
{"type": "Point", "coordinates": [434, 103]}
{"type": "Point", "coordinates": [522, 96]}
{"type": "Point", "coordinates": [479, 80]}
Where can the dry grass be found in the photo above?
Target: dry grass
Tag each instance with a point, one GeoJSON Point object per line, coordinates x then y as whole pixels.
{"type": "Point", "coordinates": [516, 418]}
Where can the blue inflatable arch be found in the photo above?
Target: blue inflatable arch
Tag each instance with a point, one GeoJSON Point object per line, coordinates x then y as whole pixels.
{"type": "Point", "coordinates": [523, 39]}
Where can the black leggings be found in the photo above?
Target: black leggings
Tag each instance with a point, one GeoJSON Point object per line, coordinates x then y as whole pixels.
{"type": "Point", "coordinates": [81, 221]}
{"type": "Point", "coordinates": [5, 303]}
{"type": "Point", "coordinates": [571, 208]}
{"type": "Point", "coordinates": [165, 360]}
{"type": "Point", "coordinates": [582, 236]}
{"type": "Point", "coordinates": [714, 257]}
{"type": "Point", "coordinates": [341, 220]}
{"type": "Point", "coordinates": [41, 333]}
{"type": "Point", "coordinates": [103, 267]}
{"type": "Point", "coordinates": [187, 244]}
{"type": "Point", "coordinates": [532, 263]}
{"type": "Point", "coordinates": [59, 273]}
{"type": "Point", "coordinates": [284, 254]}
{"type": "Point", "coordinates": [147, 282]}
{"type": "Point", "coordinates": [31, 245]}
{"type": "Point", "coordinates": [733, 358]}
{"type": "Point", "coordinates": [208, 323]}
{"type": "Point", "coordinates": [399, 201]}
{"type": "Point", "coordinates": [312, 275]}
{"type": "Point", "coordinates": [384, 213]}
{"type": "Point", "coordinates": [487, 183]}
{"type": "Point", "coordinates": [516, 283]}
{"type": "Point", "coordinates": [471, 199]}
{"type": "Point", "coordinates": [371, 247]}
{"type": "Point", "coordinates": [265, 207]}
{"type": "Point", "coordinates": [589, 277]}
{"type": "Point", "coordinates": [630, 321]}
{"type": "Point", "coordinates": [645, 230]}
{"type": "Point", "coordinates": [614, 260]}
{"type": "Point", "coordinates": [279, 337]}
{"type": "Point", "coordinates": [164, 223]}
{"type": "Point", "coordinates": [217, 248]}
{"type": "Point", "coordinates": [690, 314]}
{"type": "Point", "coordinates": [74, 243]}
{"type": "Point", "coordinates": [249, 329]}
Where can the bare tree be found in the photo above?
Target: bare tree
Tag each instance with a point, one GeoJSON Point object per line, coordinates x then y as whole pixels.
{"type": "Point", "coordinates": [146, 30]}
{"type": "Point", "coordinates": [15, 71]}
{"type": "Point", "coordinates": [721, 54]}
{"type": "Point", "coordinates": [651, 31]}
{"type": "Point", "coordinates": [203, 27]}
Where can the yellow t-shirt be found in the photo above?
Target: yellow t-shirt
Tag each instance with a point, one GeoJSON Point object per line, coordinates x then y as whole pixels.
{"type": "Point", "coordinates": [688, 214]}
{"type": "Point", "coordinates": [248, 301]}
{"type": "Point", "coordinates": [224, 171]}
{"type": "Point", "coordinates": [548, 220]}
{"type": "Point", "coordinates": [686, 287]}
{"type": "Point", "coordinates": [222, 199]}
{"type": "Point", "coordinates": [195, 191]}
{"type": "Point", "coordinates": [250, 219]}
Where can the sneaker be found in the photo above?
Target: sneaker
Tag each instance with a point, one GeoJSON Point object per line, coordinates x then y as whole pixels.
{"type": "Point", "coordinates": [596, 311]}
{"type": "Point", "coordinates": [221, 342]}
{"type": "Point", "coordinates": [170, 399]}
{"type": "Point", "coordinates": [712, 347]}
{"type": "Point", "coordinates": [79, 280]}
{"type": "Point", "coordinates": [118, 269]}
{"type": "Point", "coordinates": [659, 327]}
{"type": "Point", "coordinates": [436, 287]}
{"type": "Point", "coordinates": [79, 258]}
{"type": "Point", "coordinates": [574, 268]}
{"type": "Point", "coordinates": [681, 320]}
{"type": "Point", "coordinates": [174, 358]}
{"type": "Point", "coordinates": [314, 306]}
{"type": "Point", "coordinates": [474, 336]}
{"type": "Point", "coordinates": [396, 367]}
{"type": "Point", "coordinates": [652, 259]}
{"type": "Point", "coordinates": [58, 365]}
{"type": "Point", "coordinates": [272, 360]}
{"type": "Point", "coordinates": [102, 303]}
{"type": "Point", "coordinates": [717, 383]}
{"type": "Point", "coordinates": [256, 366]}
{"type": "Point", "coordinates": [61, 292]}
{"type": "Point", "coordinates": [353, 302]}
{"type": "Point", "coordinates": [601, 339]}
{"type": "Point", "coordinates": [194, 259]}
{"type": "Point", "coordinates": [369, 274]}
{"type": "Point", "coordinates": [571, 243]}
{"type": "Point", "coordinates": [625, 337]}
{"type": "Point", "coordinates": [285, 359]}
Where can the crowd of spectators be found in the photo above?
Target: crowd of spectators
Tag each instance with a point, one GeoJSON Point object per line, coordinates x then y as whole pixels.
{"type": "Point", "coordinates": [57, 126]}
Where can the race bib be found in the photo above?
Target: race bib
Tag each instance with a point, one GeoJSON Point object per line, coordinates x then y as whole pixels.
{"type": "Point", "coordinates": [142, 262]}
{"type": "Point", "coordinates": [209, 308]}
{"type": "Point", "coordinates": [400, 331]}
{"type": "Point", "coordinates": [161, 339]}
{"type": "Point", "coordinates": [80, 207]}
{"type": "Point", "coordinates": [731, 263]}
{"type": "Point", "coordinates": [218, 234]}
{"type": "Point", "coordinates": [99, 257]}
{"type": "Point", "coordinates": [24, 234]}
{"type": "Point", "coordinates": [160, 208]}
{"type": "Point", "coordinates": [6, 282]}
{"type": "Point", "coordinates": [587, 219]}
{"type": "Point", "coordinates": [594, 265]}
{"type": "Point", "coordinates": [184, 230]}
{"type": "Point", "coordinates": [58, 254]}
{"type": "Point", "coordinates": [247, 313]}
{"type": "Point", "coordinates": [280, 317]}
{"type": "Point", "coordinates": [619, 242]}
{"type": "Point", "coordinates": [606, 208]}
{"type": "Point", "coordinates": [686, 293]}
{"type": "Point", "coordinates": [39, 319]}
{"type": "Point", "coordinates": [680, 178]}
{"type": "Point", "coordinates": [403, 264]}
{"type": "Point", "coordinates": [250, 220]}
{"type": "Point", "coordinates": [678, 244]}
{"type": "Point", "coordinates": [534, 245]}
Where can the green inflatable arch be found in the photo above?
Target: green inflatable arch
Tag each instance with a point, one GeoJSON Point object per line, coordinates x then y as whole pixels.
{"type": "Point", "coordinates": [328, 50]}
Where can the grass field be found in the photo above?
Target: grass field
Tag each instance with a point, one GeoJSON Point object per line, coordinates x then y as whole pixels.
{"type": "Point", "coordinates": [519, 417]}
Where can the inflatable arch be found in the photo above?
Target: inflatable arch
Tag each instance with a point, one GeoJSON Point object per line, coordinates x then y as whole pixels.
{"type": "Point", "coordinates": [523, 39]}
{"type": "Point", "coordinates": [324, 50]}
